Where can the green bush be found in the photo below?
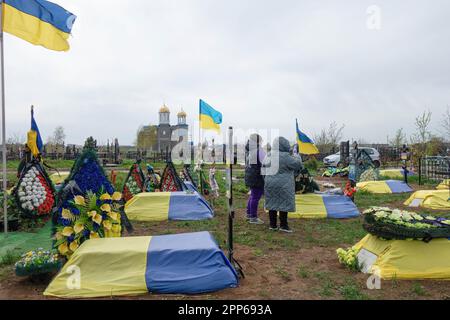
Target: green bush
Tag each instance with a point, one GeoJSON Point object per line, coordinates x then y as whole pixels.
{"type": "Point", "coordinates": [312, 164]}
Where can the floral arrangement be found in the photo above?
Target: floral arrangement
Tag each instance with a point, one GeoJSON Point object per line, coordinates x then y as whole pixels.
{"type": "Point", "coordinates": [349, 190]}
{"type": "Point", "coordinates": [398, 224]}
{"type": "Point", "coordinates": [90, 208]}
{"type": "Point", "coordinates": [35, 194]}
{"type": "Point", "coordinates": [170, 181]}
{"type": "Point", "coordinates": [134, 183]}
{"type": "Point", "coordinates": [37, 262]}
{"type": "Point", "coordinates": [349, 258]}
{"type": "Point", "coordinates": [86, 217]}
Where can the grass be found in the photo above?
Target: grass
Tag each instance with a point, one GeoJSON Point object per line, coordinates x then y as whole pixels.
{"type": "Point", "coordinates": [364, 199]}
{"type": "Point", "coordinates": [418, 289]}
{"type": "Point", "coordinates": [303, 272]}
{"type": "Point", "coordinates": [351, 291]}
{"type": "Point", "coordinates": [9, 258]}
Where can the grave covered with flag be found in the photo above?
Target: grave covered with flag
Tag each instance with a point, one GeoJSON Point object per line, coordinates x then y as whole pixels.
{"type": "Point", "coordinates": [189, 263]}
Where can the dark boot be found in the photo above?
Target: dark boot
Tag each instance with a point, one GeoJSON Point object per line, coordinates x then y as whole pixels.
{"type": "Point", "coordinates": [273, 220]}
{"type": "Point", "coordinates": [284, 222]}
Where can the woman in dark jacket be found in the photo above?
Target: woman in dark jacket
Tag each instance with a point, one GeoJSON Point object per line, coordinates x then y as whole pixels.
{"type": "Point", "coordinates": [280, 169]}
{"type": "Point", "coordinates": [254, 155]}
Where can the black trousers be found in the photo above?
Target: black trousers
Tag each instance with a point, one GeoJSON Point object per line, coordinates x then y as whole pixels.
{"type": "Point", "coordinates": [283, 219]}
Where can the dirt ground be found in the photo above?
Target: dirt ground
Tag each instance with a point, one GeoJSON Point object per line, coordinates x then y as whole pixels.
{"type": "Point", "coordinates": [302, 265]}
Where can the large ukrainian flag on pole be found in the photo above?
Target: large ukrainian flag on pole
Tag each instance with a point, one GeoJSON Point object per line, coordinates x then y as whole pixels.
{"type": "Point", "coordinates": [34, 137]}
{"type": "Point", "coordinates": [305, 144]}
{"type": "Point", "coordinates": [210, 119]}
{"type": "Point", "coordinates": [39, 22]}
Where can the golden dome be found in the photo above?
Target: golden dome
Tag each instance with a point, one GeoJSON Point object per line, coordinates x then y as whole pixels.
{"type": "Point", "coordinates": [164, 109]}
{"type": "Point", "coordinates": [181, 114]}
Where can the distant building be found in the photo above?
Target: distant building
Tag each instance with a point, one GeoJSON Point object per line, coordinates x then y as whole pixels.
{"type": "Point", "coordinates": [162, 137]}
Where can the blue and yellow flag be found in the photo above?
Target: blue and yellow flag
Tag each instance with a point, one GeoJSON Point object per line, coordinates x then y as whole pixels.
{"type": "Point", "coordinates": [305, 144]}
{"type": "Point", "coordinates": [34, 137]}
{"type": "Point", "coordinates": [39, 22]}
{"type": "Point", "coordinates": [210, 119]}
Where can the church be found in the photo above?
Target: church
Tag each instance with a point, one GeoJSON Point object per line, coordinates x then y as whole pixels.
{"type": "Point", "coordinates": [162, 137]}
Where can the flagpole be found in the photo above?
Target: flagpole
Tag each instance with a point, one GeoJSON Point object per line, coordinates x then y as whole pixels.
{"type": "Point", "coordinates": [5, 185]}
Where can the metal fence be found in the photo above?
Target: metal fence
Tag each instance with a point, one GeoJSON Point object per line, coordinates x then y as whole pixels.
{"type": "Point", "coordinates": [434, 168]}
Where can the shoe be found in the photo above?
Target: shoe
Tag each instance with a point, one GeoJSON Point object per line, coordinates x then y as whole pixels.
{"type": "Point", "coordinates": [273, 229]}
{"type": "Point", "coordinates": [255, 221]}
{"type": "Point", "coordinates": [286, 230]}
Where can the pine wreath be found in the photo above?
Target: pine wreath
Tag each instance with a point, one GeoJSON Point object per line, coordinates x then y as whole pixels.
{"type": "Point", "coordinates": [400, 225]}
{"type": "Point", "coordinates": [134, 183]}
{"type": "Point", "coordinates": [34, 193]}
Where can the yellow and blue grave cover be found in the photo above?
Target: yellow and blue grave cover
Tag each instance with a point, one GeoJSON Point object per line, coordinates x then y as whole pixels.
{"type": "Point", "coordinates": [430, 199]}
{"type": "Point", "coordinates": [190, 263]}
{"type": "Point", "coordinates": [395, 173]}
{"type": "Point", "coordinates": [311, 206]}
{"type": "Point", "coordinates": [382, 187]}
{"type": "Point", "coordinates": [163, 206]}
{"type": "Point", "coordinates": [407, 260]}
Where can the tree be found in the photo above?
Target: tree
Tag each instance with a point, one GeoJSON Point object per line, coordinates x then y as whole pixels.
{"type": "Point", "coordinates": [59, 136]}
{"type": "Point", "coordinates": [90, 143]}
{"type": "Point", "coordinates": [329, 138]}
{"type": "Point", "coordinates": [446, 124]}
{"type": "Point", "coordinates": [399, 139]}
{"type": "Point", "coordinates": [422, 124]}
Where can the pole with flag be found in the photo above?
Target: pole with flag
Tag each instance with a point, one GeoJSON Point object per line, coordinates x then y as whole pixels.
{"type": "Point", "coordinates": [2, 85]}
{"type": "Point", "coordinates": [39, 22]}
{"type": "Point", "coordinates": [305, 144]}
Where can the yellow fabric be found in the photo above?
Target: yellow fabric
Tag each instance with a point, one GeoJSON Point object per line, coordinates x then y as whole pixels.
{"type": "Point", "coordinates": [206, 122]}
{"type": "Point", "coordinates": [108, 266]}
{"type": "Point", "coordinates": [444, 185]}
{"type": "Point", "coordinates": [307, 148]}
{"type": "Point", "coordinates": [431, 199]}
{"type": "Point", "coordinates": [58, 178]}
{"type": "Point", "coordinates": [31, 143]}
{"type": "Point", "coordinates": [149, 206]}
{"type": "Point", "coordinates": [374, 187]}
{"type": "Point", "coordinates": [309, 206]}
{"type": "Point", "coordinates": [391, 173]}
{"type": "Point", "coordinates": [34, 30]}
{"type": "Point", "coordinates": [402, 259]}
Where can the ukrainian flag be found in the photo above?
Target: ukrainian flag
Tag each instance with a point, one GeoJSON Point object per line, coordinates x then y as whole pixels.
{"type": "Point", "coordinates": [305, 144]}
{"type": "Point", "coordinates": [210, 119]}
{"type": "Point", "coordinates": [39, 22]}
{"type": "Point", "coordinates": [34, 137]}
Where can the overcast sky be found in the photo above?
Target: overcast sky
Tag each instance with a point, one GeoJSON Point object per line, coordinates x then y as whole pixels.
{"type": "Point", "coordinates": [262, 63]}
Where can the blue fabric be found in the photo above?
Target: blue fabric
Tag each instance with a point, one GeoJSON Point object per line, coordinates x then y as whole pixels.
{"type": "Point", "coordinates": [46, 11]}
{"type": "Point", "coordinates": [398, 186]}
{"type": "Point", "coordinates": [34, 127]}
{"type": "Point", "coordinates": [188, 206]}
{"type": "Point", "coordinates": [187, 264]}
{"type": "Point", "coordinates": [303, 137]}
{"type": "Point", "coordinates": [340, 207]}
{"type": "Point", "coordinates": [190, 186]}
{"type": "Point", "coordinates": [206, 109]}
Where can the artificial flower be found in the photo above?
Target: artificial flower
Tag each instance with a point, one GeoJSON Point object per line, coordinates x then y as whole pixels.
{"type": "Point", "coordinates": [105, 196]}
{"type": "Point", "coordinates": [63, 248]}
{"type": "Point", "coordinates": [105, 207]}
{"type": "Point", "coordinates": [78, 227]}
{"type": "Point", "coordinates": [96, 217]}
{"type": "Point", "coordinates": [116, 228]}
{"type": "Point", "coordinates": [113, 215]}
{"type": "Point", "coordinates": [79, 200]}
{"type": "Point", "coordinates": [73, 246]}
{"type": "Point", "coordinates": [94, 235]}
{"type": "Point", "coordinates": [107, 224]}
{"type": "Point", "coordinates": [58, 236]}
{"type": "Point", "coordinates": [66, 214]}
{"type": "Point", "coordinates": [117, 196]}
{"type": "Point", "coordinates": [67, 231]}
